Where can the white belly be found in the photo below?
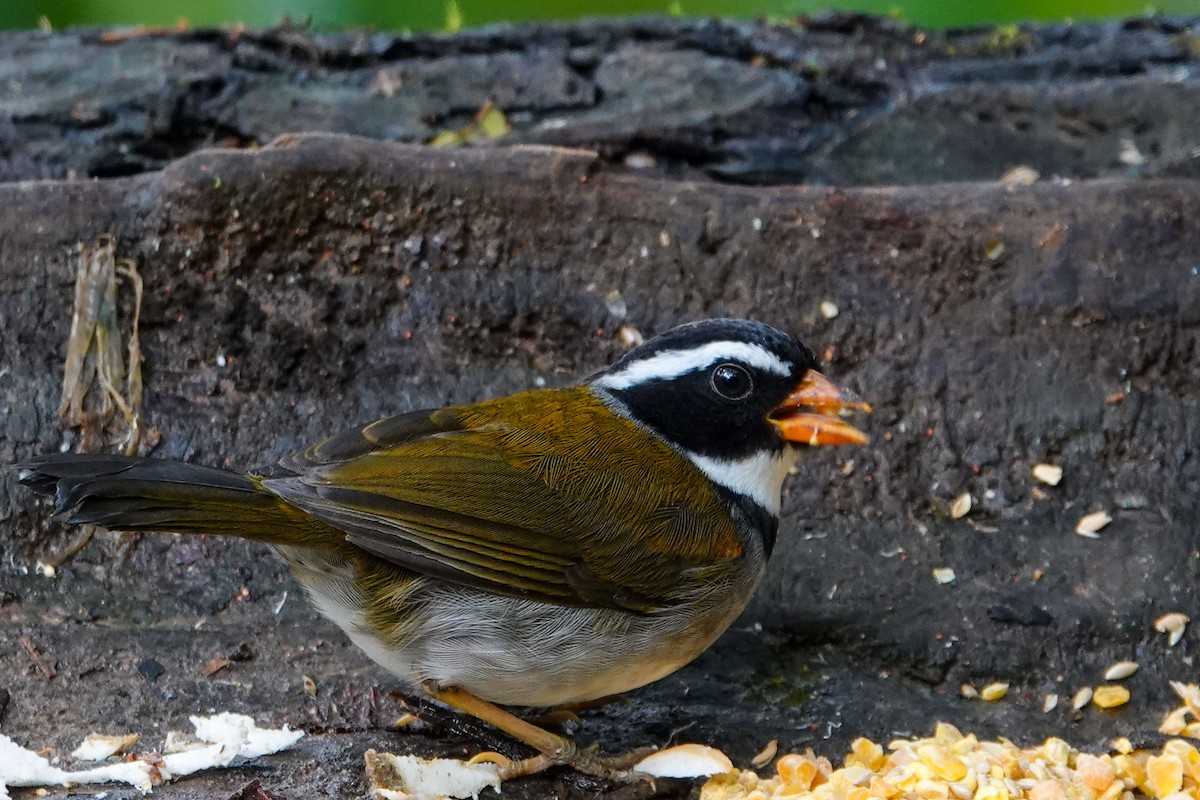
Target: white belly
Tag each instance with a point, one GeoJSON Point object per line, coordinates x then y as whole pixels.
{"type": "Point", "coordinates": [516, 651]}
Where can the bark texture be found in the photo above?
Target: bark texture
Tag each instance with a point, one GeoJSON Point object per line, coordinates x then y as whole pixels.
{"type": "Point", "coordinates": [326, 279]}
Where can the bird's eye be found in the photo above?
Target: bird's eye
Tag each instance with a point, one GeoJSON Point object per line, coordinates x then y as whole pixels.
{"type": "Point", "coordinates": [731, 381]}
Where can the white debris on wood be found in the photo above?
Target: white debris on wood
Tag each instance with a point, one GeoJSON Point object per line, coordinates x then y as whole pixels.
{"type": "Point", "coordinates": [396, 777]}
{"type": "Point", "coordinates": [944, 575]}
{"type": "Point", "coordinates": [222, 739]}
{"type": "Point", "coordinates": [98, 746]}
{"type": "Point", "coordinates": [685, 761]}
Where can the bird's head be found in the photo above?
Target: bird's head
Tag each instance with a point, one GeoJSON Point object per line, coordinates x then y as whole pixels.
{"type": "Point", "coordinates": [739, 398]}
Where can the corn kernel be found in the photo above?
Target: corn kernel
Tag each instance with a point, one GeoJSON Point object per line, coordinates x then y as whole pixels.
{"type": "Point", "coordinates": [1047, 790]}
{"type": "Point", "coordinates": [993, 691]}
{"type": "Point", "coordinates": [932, 790]}
{"type": "Point", "coordinates": [1110, 696]}
{"type": "Point", "coordinates": [1095, 771]}
{"type": "Point", "coordinates": [1131, 767]}
{"type": "Point", "coordinates": [946, 734]}
{"type": "Point", "coordinates": [1164, 775]}
{"type": "Point", "coordinates": [1056, 751]}
{"type": "Point", "coordinates": [858, 793]}
{"type": "Point", "coordinates": [868, 753]}
{"type": "Point", "coordinates": [992, 791]}
{"type": "Point", "coordinates": [881, 788]}
{"type": "Point", "coordinates": [946, 766]}
{"type": "Point", "coordinates": [796, 771]}
{"type": "Point", "coordinates": [1175, 722]}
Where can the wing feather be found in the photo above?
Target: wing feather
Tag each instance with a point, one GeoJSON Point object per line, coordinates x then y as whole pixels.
{"type": "Point", "coordinates": [521, 496]}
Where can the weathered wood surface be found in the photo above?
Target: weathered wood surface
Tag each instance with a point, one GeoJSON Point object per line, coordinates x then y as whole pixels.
{"type": "Point", "coordinates": [343, 278]}
{"type": "Point", "coordinates": [842, 99]}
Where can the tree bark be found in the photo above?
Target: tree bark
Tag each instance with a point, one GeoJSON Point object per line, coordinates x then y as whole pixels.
{"type": "Point", "coordinates": [324, 280]}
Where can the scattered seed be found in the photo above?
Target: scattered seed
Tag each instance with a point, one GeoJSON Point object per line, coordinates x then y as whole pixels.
{"type": "Point", "coordinates": [1090, 524]}
{"type": "Point", "coordinates": [766, 754]}
{"type": "Point", "coordinates": [924, 769]}
{"type": "Point", "coordinates": [630, 336]}
{"type": "Point", "coordinates": [994, 249]}
{"type": "Point", "coordinates": [961, 506]}
{"type": "Point", "coordinates": [1019, 176]}
{"type": "Point", "coordinates": [1049, 703]}
{"type": "Point", "coordinates": [310, 686]}
{"type": "Point", "coordinates": [993, 692]}
{"type": "Point", "coordinates": [1094, 771]}
{"type": "Point", "coordinates": [1164, 775]}
{"type": "Point", "coordinates": [1082, 698]}
{"type": "Point", "coordinates": [1129, 153]}
{"type": "Point", "coordinates": [1049, 474]}
{"type": "Point", "coordinates": [405, 720]}
{"type": "Point", "coordinates": [944, 575]}
{"type": "Point", "coordinates": [1110, 696]}
{"type": "Point", "coordinates": [1120, 670]}
{"type": "Point", "coordinates": [1173, 623]}
{"type": "Point", "coordinates": [968, 691]}
{"type": "Point", "coordinates": [829, 309]}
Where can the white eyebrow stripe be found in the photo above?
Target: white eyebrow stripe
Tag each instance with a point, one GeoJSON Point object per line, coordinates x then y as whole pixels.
{"type": "Point", "coordinates": [672, 363]}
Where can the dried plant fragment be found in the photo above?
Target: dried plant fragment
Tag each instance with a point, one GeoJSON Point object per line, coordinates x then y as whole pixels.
{"type": "Point", "coordinates": [95, 366]}
{"type": "Point", "coordinates": [489, 124]}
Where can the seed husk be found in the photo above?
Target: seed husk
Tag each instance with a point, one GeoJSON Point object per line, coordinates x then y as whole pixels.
{"type": "Point", "coordinates": [1082, 698]}
{"type": "Point", "coordinates": [960, 506]}
{"type": "Point", "coordinates": [1089, 525]}
{"type": "Point", "coordinates": [1120, 670]}
{"type": "Point", "coordinates": [766, 754]}
{"type": "Point", "coordinates": [1174, 624]}
{"type": "Point", "coordinates": [1049, 474]}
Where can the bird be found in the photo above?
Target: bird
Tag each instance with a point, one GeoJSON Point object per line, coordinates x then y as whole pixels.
{"type": "Point", "coordinates": [543, 549]}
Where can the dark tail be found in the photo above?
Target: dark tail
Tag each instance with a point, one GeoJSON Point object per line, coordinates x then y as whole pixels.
{"type": "Point", "coordinates": [132, 494]}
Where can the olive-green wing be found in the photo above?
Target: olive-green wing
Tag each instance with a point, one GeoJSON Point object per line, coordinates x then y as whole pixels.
{"type": "Point", "coordinates": [547, 495]}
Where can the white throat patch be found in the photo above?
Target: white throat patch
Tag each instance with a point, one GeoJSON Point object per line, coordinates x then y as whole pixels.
{"type": "Point", "coordinates": [759, 477]}
{"type": "Point", "coordinates": [672, 363]}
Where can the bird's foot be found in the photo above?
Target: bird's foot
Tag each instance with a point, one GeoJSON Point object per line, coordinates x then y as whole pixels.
{"type": "Point", "coordinates": [589, 761]}
{"type": "Point", "coordinates": [559, 720]}
{"type": "Point", "coordinates": [562, 718]}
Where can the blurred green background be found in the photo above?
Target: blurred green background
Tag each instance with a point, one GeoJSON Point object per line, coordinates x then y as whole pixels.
{"type": "Point", "coordinates": [451, 14]}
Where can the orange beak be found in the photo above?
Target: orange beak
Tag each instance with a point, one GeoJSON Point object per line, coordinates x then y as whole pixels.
{"type": "Point", "coordinates": [810, 414]}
